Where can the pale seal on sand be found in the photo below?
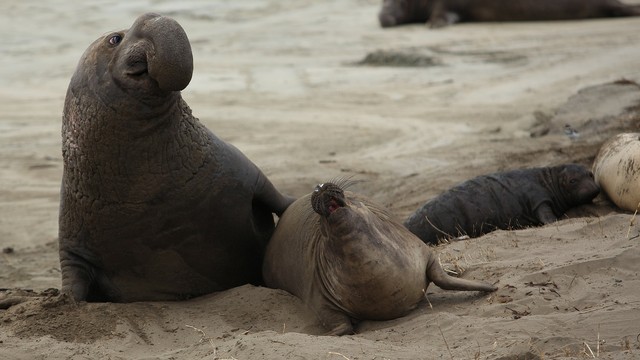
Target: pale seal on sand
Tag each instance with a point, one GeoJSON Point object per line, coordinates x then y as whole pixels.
{"type": "Point", "coordinates": [348, 259]}
{"type": "Point", "coordinates": [617, 170]}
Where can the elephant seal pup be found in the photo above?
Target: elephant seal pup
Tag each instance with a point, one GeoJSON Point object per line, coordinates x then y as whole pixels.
{"type": "Point", "coordinates": [443, 12]}
{"type": "Point", "coordinates": [507, 200]}
{"type": "Point", "coordinates": [153, 205]}
{"type": "Point", "coordinates": [617, 170]}
{"type": "Point", "coordinates": [346, 258]}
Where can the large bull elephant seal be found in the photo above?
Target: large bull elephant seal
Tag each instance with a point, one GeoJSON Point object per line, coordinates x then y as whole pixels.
{"type": "Point", "coordinates": [617, 170]}
{"type": "Point", "coordinates": [505, 200]}
{"type": "Point", "coordinates": [348, 259]}
{"type": "Point", "coordinates": [442, 12]}
{"type": "Point", "coordinates": [153, 205]}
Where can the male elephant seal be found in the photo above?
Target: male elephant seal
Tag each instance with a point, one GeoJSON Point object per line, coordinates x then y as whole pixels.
{"type": "Point", "coordinates": [442, 12]}
{"type": "Point", "coordinates": [507, 200]}
{"type": "Point", "coordinates": [153, 205]}
{"type": "Point", "coordinates": [617, 170]}
{"type": "Point", "coordinates": [347, 258]}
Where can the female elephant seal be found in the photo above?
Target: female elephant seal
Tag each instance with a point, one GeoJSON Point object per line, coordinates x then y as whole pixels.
{"type": "Point", "coordinates": [153, 205]}
{"type": "Point", "coordinates": [442, 12]}
{"type": "Point", "coordinates": [347, 258]}
{"type": "Point", "coordinates": [506, 200]}
{"type": "Point", "coordinates": [617, 170]}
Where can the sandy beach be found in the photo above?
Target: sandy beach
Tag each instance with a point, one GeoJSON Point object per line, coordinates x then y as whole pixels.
{"type": "Point", "coordinates": [316, 90]}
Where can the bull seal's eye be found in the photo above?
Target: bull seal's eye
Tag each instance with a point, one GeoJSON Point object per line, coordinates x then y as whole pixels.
{"type": "Point", "coordinates": [115, 39]}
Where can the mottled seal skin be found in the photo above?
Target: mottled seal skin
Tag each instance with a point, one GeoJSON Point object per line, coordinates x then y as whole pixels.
{"type": "Point", "coordinates": [442, 12]}
{"type": "Point", "coordinates": [348, 259]}
{"type": "Point", "coordinates": [617, 170]}
{"type": "Point", "coordinates": [153, 205]}
{"type": "Point", "coordinates": [505, 200]}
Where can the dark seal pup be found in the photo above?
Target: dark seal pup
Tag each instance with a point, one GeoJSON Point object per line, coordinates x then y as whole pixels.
{"type": "Point", "coordinates": [442, 12]}
{"type": "Point", "coordinates": [153, 205]}
{"type": "Point", "coordinates": [507, 200]}
{"type": "Point", "coordinates": [348, 258]}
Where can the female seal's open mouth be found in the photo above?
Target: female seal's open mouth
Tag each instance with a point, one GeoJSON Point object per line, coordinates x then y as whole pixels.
{"type": "Point", "coordinates": [333, 205]}
{"type": "Point", "coordinates": [327, 198]}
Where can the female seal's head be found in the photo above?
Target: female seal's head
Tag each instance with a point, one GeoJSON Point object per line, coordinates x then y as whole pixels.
{"type": "Point", "coordinates": [327, 198]}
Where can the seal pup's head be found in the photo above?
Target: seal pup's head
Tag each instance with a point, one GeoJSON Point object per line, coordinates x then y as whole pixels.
{"type": "Point", "coordinates": [577, 184]}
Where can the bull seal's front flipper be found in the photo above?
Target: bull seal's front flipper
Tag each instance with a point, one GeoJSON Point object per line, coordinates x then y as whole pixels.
{"type": "Point", "coordinates": [81, 281]}
{"type": "Point", "coordinates": [438, 276]}
{"type": "Point", "coordinates": [77, 276]}
{"type": "Point", "coordinates": [545, 214]}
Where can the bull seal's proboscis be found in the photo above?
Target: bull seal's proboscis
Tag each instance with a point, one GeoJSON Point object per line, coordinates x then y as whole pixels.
{"type": "Point", "coordinates": [153, 205]}
{"type": "Point", "coordinates": [348, 259]}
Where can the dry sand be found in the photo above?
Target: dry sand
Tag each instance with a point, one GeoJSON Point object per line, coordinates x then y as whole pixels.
{"type": "Point", "coordinates": [279, 80]}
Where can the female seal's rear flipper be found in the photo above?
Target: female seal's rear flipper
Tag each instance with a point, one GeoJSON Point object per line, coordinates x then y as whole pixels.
{"type": "Point", "coordinates": [436, 274]}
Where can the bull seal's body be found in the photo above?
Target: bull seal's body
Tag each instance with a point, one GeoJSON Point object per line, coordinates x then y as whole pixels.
{"type": "Point", "coordinates": [508, 200]}
{"type": "Point", "coordinates": [617, 170]}
{"type": "Point", "coordinates": [347, 258]}
{"type": "Point", "coordinates": [441, 12]}
{"type": "Point", "coordinates": [153, 205]}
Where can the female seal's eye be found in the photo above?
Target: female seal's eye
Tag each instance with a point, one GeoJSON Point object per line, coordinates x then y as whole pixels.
{"type": "Point", "coordinates": [115, 39]}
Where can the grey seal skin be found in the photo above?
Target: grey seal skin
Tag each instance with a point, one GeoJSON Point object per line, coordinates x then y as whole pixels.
{"type": "Point", "coordinates": [153, 205]}
{"type": "Point", "coordinates": [443, 12]}
{"type": "Point", "coordinates": [348, 259]}
{"type": "Point", "coordinates": [505, 200]}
